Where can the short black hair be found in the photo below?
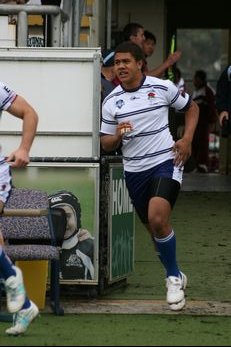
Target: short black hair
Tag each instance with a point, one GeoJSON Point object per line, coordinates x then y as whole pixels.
{"type": "Point", "coordinates": [149, 36]}
{"type": "Point", "coordinates": [130, 47]}
{"type": "Point", "coordinates": [131, 29]}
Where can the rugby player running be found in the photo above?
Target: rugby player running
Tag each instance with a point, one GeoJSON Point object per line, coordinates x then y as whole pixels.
{"type": "Point", "coordinates": [136, 113]}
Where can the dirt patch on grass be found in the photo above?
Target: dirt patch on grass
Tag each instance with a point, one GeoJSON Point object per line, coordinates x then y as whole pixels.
{"type": "Point", "coordinates": [144, 307]}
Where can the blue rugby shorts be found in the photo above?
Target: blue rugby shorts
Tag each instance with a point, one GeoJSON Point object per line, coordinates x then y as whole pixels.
{"type": "Point", "coordinates": [163, 180]}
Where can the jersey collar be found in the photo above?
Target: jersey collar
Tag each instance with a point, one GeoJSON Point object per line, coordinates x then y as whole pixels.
{"type": "Point", "coordinates": [135, 89]}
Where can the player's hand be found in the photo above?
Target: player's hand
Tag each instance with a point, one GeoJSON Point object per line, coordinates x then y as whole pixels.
{"type": "Point", "coordinates": [123, 128]}
{"type": "Point", "coordinates": [18, 159]}
{"type": "Point", "coordinates": [174, 57]}
{"type": "Point", "coordinates": [182, 150]}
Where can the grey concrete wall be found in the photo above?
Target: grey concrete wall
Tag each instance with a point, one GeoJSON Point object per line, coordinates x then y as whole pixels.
{"type": "Point", "coordinates": [149, 13]}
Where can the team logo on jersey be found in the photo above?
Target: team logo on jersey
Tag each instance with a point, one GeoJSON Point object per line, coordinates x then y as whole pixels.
{"type": "Point", "coordinates": [120, 103]}
{"type": "Point", "coordinates": [151, 97]}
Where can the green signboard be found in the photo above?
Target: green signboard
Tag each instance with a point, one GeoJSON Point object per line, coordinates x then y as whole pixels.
{"type": "Point", "coordinates": [121, 224]}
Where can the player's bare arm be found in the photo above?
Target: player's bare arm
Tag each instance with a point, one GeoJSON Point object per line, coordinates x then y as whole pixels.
{"type": "Point", "coordinates": [183, 147]}
{"type": "Point", "coordinates": [111, 142]}
{"type": "Point", "coordinates": [20, 108]}
{"type": "Point", "coordinates": [160, 70]}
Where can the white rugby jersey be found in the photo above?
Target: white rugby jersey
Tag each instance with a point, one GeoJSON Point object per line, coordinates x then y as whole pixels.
{"type": "Point", "coordinates": [150, 142]}
{"type": "Point", "coordinates": [7, 96]}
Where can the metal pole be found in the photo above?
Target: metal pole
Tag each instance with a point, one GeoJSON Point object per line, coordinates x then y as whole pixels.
{"type": "Point", "coordinates": [56, 30]}
{"type": "Point", "coordinates": [77, 14]}
{"type": "Point", "coordinates": [67, 26]}
{"type": "Point", "coordinates": [22, 10]}
{"type": "Point", "coordinates": [22, 33]}
{"type": "Point", "coordinates": [109, 18]}
{"type": "Point", "coordinates": [32, 9]}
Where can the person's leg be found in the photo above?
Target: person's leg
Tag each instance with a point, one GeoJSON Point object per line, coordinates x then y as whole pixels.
{"type": "Point", "coordinates": [163, 194]}
{"type": "Point", "coordinates": [229, 156]}
{"type": "Point", "coordinates": [11, 275]}
{"type": "Point", "coordinates": [16, 298]}
{"type": "Point", "coordinates": [23, 319]}
{"type": "Point", "coordinates": [164, 240]}
{"type": "Point", "coordinates": [162, 234]}
{"type": "Point", "coordinates": [159, 211]}
{"type": "Point", "coordinates": [17, 301]}
{"type": "Point", "coordinates": [13, 281]}
{"type": "Point", "coordinates": [195, 146]}
{"type": "Point", "coordinates": [203, 148]}
{"type": "Point", "coordinates": [223, 155]}
{"type": "Point", "coordinates": [153, 193]}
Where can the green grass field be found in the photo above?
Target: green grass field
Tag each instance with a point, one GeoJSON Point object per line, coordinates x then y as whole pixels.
{"type": "Point", "coordinates": [123, 330]}
{"type": "Point", "coordinates": [202, 225]}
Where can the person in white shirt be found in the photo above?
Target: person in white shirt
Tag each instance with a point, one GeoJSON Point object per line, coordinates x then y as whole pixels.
{"type": "Point", "coordinates": [136, 113]}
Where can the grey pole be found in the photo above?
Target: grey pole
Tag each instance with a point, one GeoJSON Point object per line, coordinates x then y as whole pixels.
{"type": "Point", "coordinates": [22, 10]}
{"type": "Point", "coordinates": [77, 14]}
{"type": "Point", "coordinates": [109, 16]}
{"type": "Point", "coordinates": [67, 25]}
{"type": "Point", "coordinates": [22, 33]}
{"type": "Point", "coordinates": [56, 32]}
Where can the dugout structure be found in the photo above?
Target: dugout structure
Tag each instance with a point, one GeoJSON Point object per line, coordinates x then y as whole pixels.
{"type": "Point", "coordinates": [64, 86]}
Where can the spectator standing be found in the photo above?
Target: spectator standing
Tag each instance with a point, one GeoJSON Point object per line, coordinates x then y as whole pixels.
{"type": "Point", "coordinates": [108, 83]}
{"type": "Point", "coordinates": [149, 43]}
{"type": "Point", "coordinates": [17, 301]}
{"type": "Point", "coordinates": [107, 72]}
{"type": "Point", "coordinates": [135, 32]}
{"type": "Point", "coordinates": [176, 119]}
{"type": "Point", "coordinates": [223, 105]}
{"type": "Point", "coordinates": [137, 114]}
{"type": "Point", "coordinates": [204, 96]}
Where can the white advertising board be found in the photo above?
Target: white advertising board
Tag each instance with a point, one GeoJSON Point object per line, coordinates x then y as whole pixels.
{"type": "Point", "coordinates": [63, 85]}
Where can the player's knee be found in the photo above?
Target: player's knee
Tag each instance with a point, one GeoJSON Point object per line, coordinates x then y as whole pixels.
{"type": "Point", "coordinates": [157, 223]}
